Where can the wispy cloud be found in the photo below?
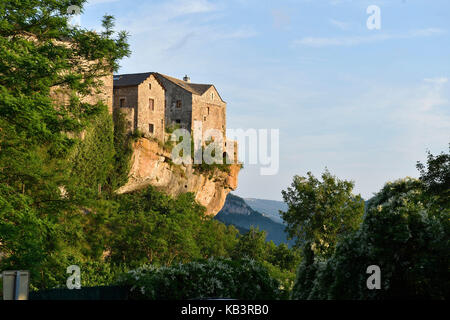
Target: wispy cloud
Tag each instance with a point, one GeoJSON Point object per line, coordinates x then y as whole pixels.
{"type": "Point", "coordinates": [170, 33]}
{"type": "Point", "coordinates": [439, 80]}
{"type": "Point", "coordinates": [357, 40]}
{"type": "Point", "coordinates": [242, 33]}
{"type": "Point", "coordinates": [340, 24]}
{"type": "Point", "coordinates": [187, 7]}
{"type": "Point", "coordinates": [95, 2]}
{"type": "Point", "coordinates": [337, 2]}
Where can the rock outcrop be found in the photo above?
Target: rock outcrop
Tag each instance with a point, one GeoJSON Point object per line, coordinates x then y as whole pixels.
{"type": "Point", "coordinates": [236, 205]}
{"type": "Point", "coordinates": [151, 165]}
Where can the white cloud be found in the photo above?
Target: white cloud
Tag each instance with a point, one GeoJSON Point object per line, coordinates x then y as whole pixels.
{"type": "Point", "coordinates": [439, 81]}
{"type": "Point", "coordinates": [242, 33]}
{"type": "Point", "coordinates": [340, 24]}
{"type": "Point", "coordinates": [372, 132]}
{"type": "Point", "coordinates": [95, 2]}
{"type": "Point", "coordinates": [338, 2]}
{"type": "Point", "coordinates": [356, 40]}
{"type": "Point", "coordinates": [168, 34]}
{"type": "Point", "coordinates": [186, 7]}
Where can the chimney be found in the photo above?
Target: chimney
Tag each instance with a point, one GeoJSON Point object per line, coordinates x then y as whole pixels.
{"type": "Point", "coordinates": [186, 79]}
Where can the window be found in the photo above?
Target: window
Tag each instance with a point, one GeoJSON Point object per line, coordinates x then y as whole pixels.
{"type": "Point", "coordinates": [178, 104]}
{"type": "Point", "coordinates": [122, 102]}
{"type": "Point", "coordinates": [149, 86]}
{"type": "Point", "coordinates": [151, 104]}
{"type": "Point", "coordinates": [207, 110]}
{"type": "Point", "coordinates": [151, 128]}
{"type": "Point", "coordinates": [204, 118]}
{"type": "Point", "coordinates": [212, 95]}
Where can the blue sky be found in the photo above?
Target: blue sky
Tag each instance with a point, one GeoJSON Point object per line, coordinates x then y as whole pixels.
{"type": "Point", "coordinates": [366, 104]}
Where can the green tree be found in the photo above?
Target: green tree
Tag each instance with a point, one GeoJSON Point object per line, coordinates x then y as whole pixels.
{"type": "Point", "coordinates": [150, 226]}
{"type": "Point", "coordinates": [410, 245]}
{"type": "Point", "coordinates": [252, 245]}
{"type": "Point", "coordinates": [320, 211]}
{"type": "Point", "coordinates": [41, 55]}
{"type": "Point", "coordinates": [215, 239]}
{"type": "Point", "coordinates": [283, 257]}
{"type": "Point", "coordinates": [435, 175]}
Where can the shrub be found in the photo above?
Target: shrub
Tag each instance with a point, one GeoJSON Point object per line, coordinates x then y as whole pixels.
{"type": "Point", "coordinates": [285, 279]}
{"type": "Point", "coordinates": [243, 279]}
{"type": "Point", "coordinates": [398, 234]}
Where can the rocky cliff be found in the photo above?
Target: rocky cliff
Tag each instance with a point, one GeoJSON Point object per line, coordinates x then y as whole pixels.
{"type": "Point", "coordinates": [236, 205]}
{"type": "Point", "coordinates": [151, 165]}
{"type": "Point", "coordinates": [237, 212]}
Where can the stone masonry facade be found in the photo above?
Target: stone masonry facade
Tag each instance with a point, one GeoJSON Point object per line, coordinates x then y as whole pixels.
{"type": "Point", "coordinates": [143, 105]}
{"type": "Point", "coordinates": [151, 101]}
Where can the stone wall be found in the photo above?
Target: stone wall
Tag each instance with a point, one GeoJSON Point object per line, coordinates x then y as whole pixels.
{"type": "Point", "coordinates": [211, 110]}
{"type": "Point", "coordinates": [130, 96]}
{"type": "Point", "coordinates": [61, 95]}
{"type": "Point", "coordinates": [129, 117]}
{"type": "Point", "coordinates": [173, 94]}
{"type": "Point", "coordinates": [151, 89]}
{"type": "Point", "coordinates": [103, 93]}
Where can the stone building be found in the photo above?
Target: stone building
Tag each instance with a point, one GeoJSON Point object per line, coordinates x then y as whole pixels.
{"type": "Point", "coordinates": [103, 93]}
{"type": "Point", "coordinates": [141, 97]}
{"type": "Point", "coordinates": [151, 101]}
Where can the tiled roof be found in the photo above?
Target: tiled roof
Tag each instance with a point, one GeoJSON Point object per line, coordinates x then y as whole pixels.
{"type": "Point", "coordinates": [134, 79]}
{"type": "Point", "coordinates": [195, 88]}
{"type": "Point", "coordinates": [123, 80]}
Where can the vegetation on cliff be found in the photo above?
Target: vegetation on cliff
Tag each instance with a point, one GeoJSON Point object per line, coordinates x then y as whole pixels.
{"type": "Point", "coordinates": [61, 160]}
{"type": "Point", "coordinates": [41, 190]}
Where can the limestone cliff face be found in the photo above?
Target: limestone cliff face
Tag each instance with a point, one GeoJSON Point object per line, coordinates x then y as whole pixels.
{"type": "Point", "coordinates": [235, 205]}
{"type": "Point", "coordinates": [150, 165]}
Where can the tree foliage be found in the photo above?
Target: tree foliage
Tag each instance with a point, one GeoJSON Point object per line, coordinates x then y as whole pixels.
{"type": "Point", "coordinates": [320, 211]}
{"type": "Point", "coordinates": [48, 69]}
{"type": "Point", "coordinates": [399, 234]}
{"type": "Point", "coordinates": [212, 278]}
{"type": "Point", "coordinates": [435, 175]}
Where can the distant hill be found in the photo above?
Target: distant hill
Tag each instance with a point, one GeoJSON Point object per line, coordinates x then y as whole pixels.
{"type": "Point", "coordinates": [237, 212]}
{"type": "Point", "coordinates": [268, 208]}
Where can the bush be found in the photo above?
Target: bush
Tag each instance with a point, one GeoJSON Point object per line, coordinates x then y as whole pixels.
{"type": "Point", "coordinates": [285, 279]}
{"type": "Point", "coordinates": [398, 234]}
{"type": "Point", "coordinates": [243, 279]}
